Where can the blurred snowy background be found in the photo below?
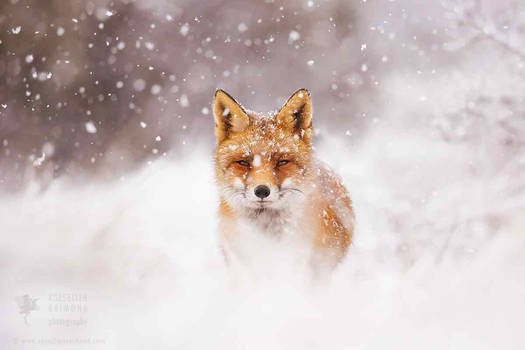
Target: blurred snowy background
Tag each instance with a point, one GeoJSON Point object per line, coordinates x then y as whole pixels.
{"type": "Point", "coordinates": [107, 188]}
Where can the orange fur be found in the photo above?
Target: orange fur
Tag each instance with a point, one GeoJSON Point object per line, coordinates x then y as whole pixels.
{"type": "Point", "coordinates": [275, 150]}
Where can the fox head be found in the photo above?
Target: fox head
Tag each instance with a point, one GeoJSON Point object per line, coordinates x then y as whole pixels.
{"type": "Point", "coordinates": [263, 161]}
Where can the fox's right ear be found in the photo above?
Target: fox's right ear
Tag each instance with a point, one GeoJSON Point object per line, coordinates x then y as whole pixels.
{"type": "Point", "coordinates": [229, 116]}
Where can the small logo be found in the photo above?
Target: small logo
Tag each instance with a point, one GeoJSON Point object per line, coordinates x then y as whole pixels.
{"type": "Point", "coordinates": [26, 305]}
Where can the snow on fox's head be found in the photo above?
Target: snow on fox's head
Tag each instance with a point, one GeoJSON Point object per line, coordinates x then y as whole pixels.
{"type": "Point", "coordinates": [262, 161]}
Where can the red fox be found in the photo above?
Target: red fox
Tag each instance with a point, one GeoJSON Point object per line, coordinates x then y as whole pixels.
{"type": "Point", "coordinates": [268, 179]}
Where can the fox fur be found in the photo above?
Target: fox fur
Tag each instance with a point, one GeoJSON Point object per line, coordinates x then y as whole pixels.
{"type": "Point", "coordinates": [275, 150]}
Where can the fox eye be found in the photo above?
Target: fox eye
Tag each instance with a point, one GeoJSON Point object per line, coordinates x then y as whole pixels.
{"type": "Point", "coordinates": [282, 162]}
{"type": "Point", "coordinates": [243, 163]}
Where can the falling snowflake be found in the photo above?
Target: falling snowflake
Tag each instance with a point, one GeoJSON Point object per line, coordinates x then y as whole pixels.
{"type": "Point", "coordinates": [156, 89]}
{"type": "Point", "coordinates": [90, 127]}
{"type": "Point", "coordinates": [184, 29]}
{"type": "Point", "coordinates": [293, 36]}
{"type": "Point", "coordinates": [184, 102]}
{"type": "Point", "coordinates": [139, 85]}
{"type": "Point", "coordinates": [242, 27]}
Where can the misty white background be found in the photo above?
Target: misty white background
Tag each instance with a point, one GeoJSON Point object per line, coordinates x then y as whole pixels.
{"type": "Point", "coordinates": [417, 105]}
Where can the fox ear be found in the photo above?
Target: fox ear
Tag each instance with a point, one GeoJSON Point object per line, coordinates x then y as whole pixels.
{"type": "Point", "coordinates": [296, 114]}
{"type": "Point", "coordinates": [229, 116]}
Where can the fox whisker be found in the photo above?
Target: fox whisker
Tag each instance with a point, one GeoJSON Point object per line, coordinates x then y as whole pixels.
{"type": "Point", "coordinates": [291, 189]}
{"type": "Point", "coordinates": [284, 191]}
{"type": "Point", "coordinates": [234, 193]}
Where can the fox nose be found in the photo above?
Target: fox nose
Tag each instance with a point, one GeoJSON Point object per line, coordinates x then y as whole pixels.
{"type": "Point", "coordinates": [262, 191]}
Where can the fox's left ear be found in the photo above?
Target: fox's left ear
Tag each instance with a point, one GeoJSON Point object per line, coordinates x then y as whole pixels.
{"type": "Point", "coordinates": [296, 114]}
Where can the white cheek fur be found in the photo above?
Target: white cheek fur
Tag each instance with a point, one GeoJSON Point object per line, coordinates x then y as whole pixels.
{"type": "Point", "coordinates": [287, 183]}
{"type": "Point", "coordinates": [238, 183]}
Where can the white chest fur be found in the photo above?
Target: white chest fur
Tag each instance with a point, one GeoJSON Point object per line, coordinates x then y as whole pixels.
{"type": "Point", "coordinates": [273, 237]}
{"type": "Point", "coordinates": [273, 223]}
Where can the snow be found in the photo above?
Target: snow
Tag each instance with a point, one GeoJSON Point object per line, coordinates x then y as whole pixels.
{"type": "Point", "coordinates": [184, 29]}
{"type": "Point", "coordinates": [156, 89]}
{"type": "Point", "coordinates": [184, 101]}
{"type": "Point", "coordinates": [257, 161]}
{"type": "Point", "coordinates": [242, 27]}
{"type": "Point", "coordinates": [38, 161]}
{"type": "Point", "coordinates": [293, 36]}
{"type": "Point", "coordinates": [48, 148]}
{"type": "Point", "coordinates": [149, 45]}
{"type": "Point", "coordinates": [103, 14]}
{"type": "Point", "coordinates": [139, 85]}
{"type": "Point", "coordinates": [158, 259]}
{"type": "Point", "coordinates": [90, 127]}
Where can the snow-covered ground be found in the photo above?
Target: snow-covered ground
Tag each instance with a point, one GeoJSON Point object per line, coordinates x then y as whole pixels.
{"type": "Point", "coordinates": [427, 269]}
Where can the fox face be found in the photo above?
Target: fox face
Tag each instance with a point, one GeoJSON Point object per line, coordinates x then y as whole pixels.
{"type": "Point", "coordinates": [262, 162]}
